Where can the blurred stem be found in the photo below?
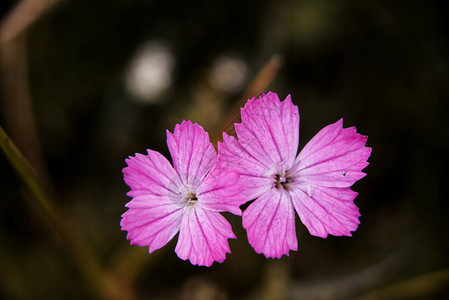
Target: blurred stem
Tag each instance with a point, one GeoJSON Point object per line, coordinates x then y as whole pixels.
{"type": "Point", "coordinates": [276, 281]}
{"type": "Point", "coordinates": [16, 103]}
{"type": "Point", "coordinates": [28, 175]}
{"type": "Point", "coordinates": [22, 16]}
{"type": "Point", "coordinates": [84, 258]}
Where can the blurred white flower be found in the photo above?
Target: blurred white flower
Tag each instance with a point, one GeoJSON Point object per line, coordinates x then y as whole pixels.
{"type": "Point", "coordinates": [228, 74]}
{"type": "Point", "coordinates": [150, 71]}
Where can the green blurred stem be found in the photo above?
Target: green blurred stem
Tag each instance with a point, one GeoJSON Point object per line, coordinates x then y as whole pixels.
{"type": "Point", "coordinates": [42, 198]}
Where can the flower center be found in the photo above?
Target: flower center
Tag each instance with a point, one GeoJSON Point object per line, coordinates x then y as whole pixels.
{"type": "Point", "coordinates": [282, 181]}
{"type": "Point", "coordinates": [190, 198]}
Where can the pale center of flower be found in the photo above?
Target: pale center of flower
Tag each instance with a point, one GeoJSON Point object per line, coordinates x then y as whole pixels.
{"type": "Point", "coordinates": [190, 198]}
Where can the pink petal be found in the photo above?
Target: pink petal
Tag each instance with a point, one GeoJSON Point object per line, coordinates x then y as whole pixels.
{"type": "Point", "coordinates": [151, 174]}
{"type": "Point", "coordinates": [203, 237]}
{"type": "Point", "coordinates": [221, 191]}
{"type": "Point", "coordinates": [192, 153]}
{"type": "Point", "coordinates": [270, 224]}
{"type": "Point", "coordinates": [151, 220]}
{"type": "Point", "coordinates": [270, 130]}
{"type": "Point", "coordinates": [325, 210]}
{"type": "Point", "coordinates": [324, 170]}
{"type": "Point", "coordinates": [254, 176]}
{"type": "Point", "coordinates": [334, 157]}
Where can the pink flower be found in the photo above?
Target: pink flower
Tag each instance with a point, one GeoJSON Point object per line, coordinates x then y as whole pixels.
{"type": "Point", "coordinates": [186, 197]}
{"type": "Point", "coordinates": [316, 183]}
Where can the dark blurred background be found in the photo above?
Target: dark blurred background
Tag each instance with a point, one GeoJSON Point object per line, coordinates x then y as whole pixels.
{"type": "Point", "coordinates": [85, 84]}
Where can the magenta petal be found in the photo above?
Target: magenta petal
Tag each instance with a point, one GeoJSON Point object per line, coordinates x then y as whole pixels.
{"type": "Point", "coordinates": [151, 174]}
{"type": "Point", "coordinates": [325, 169]}
{"type": "Point", "coordinates": [221, 191]}
{"type": "Point", "coordinates": [203, 237]}
{"type": "Point", "coordinates": [192, 152]}
{"type": "Point", "coordinates": [254, 176]}
{"type": "Point", "coordinates": [334, 157]}
{"type": "Point", "coordinates": [270, 224]}
{"type": "Point", "coordinates": [270, 130]}
{"type": "Point", "coordinates": [151, 220]}
{"type": "Point", "coordinates": [325, 210]}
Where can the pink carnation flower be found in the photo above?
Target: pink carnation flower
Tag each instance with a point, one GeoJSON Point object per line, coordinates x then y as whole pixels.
{"type": "Point", "coordinates": [186, 197]}
{"type": "Point", "coordinates": [316, 183]}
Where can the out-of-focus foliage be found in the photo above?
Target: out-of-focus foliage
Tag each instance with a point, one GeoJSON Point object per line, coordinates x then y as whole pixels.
{"type": "Point", "coordinates": [381, 65]}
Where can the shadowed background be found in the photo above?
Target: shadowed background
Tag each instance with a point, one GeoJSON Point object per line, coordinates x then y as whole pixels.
{"type": "Point", "coordinates": [85, 84]}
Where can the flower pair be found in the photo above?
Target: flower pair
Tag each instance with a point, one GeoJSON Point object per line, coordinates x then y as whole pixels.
{"type": "Point", "coordinates": [260, 164]}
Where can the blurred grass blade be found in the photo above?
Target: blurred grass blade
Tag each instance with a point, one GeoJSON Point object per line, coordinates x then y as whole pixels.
{"type": "Point", "coordinates": [26, 173]}
{"type": "Point", "coordinates": [42, 198]}
{"type": "Point", "coordinates": [24, 14]}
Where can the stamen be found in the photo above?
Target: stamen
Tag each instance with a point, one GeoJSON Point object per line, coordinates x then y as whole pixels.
{"type": "Point", "coordinates": [191, 198]}
{"type": "Point", "coordinates": [282, 181]}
